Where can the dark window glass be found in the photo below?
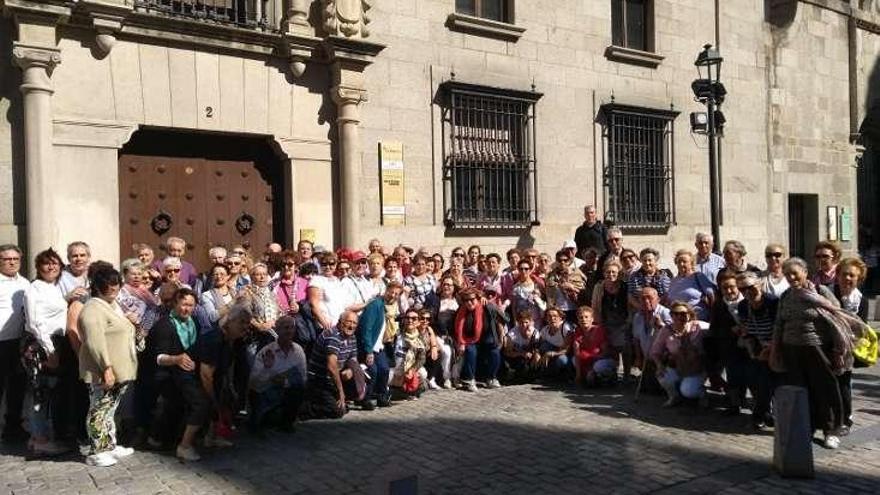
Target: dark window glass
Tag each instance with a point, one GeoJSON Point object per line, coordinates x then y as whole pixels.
{"type": "Point", "coordinates": [630, 24]}
{"type": "Point", "coordinates": [487, 9]}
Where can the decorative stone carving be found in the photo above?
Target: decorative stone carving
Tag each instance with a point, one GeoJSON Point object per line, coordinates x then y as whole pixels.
{"type": "Point", "coordinates": [37, 64]}
{"type": "Point", "coordinates": [347, 18]}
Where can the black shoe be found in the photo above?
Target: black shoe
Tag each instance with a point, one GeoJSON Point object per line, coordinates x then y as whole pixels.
{"type": "Point", "coordinates": [384, 402]}
{"type": "Point", "coordinates": [843, 431]}
{"type": "Point", "coordinates": [759, 425]}
{"type": "Point", "coordinates": [367, 405]}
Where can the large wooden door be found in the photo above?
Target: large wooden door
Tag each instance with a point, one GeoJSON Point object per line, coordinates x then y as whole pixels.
{"type": "Point", "coordinates": [207, 202]}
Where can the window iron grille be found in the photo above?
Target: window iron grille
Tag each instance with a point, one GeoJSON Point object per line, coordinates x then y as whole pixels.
{"type": "Point", "coordinates": [638, 163]}
{"type": "Point", "coordinates": [489, 166]}
{"type": "Point", "coordinates": [242, 13]}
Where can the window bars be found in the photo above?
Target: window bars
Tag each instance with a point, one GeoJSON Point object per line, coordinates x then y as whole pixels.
{"type": "Point", "coordinates": [638, 166]}
{"type": "Point", "coordinates": [244, 13]}
{"type": "Point", "coordinates": [488, 157]}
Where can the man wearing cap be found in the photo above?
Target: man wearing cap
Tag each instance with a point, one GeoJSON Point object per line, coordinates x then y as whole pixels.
{"type": "Point", "coordinates": [591, 233]}
{"type": "Point", "coordinates": [570, 247]}
{"type": "Point", "coordinates": [357, 284]}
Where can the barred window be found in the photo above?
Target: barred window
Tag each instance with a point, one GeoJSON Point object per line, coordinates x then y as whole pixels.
{"type": "Point", "coordinates": [638, 166]}
{"type": "Point", "coordinates": [488, 157]}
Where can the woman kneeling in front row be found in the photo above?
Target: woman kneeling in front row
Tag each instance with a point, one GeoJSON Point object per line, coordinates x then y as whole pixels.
{"type": "Point", "coordinates": [678, 354]}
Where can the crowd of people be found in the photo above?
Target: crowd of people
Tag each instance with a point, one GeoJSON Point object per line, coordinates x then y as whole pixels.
{"type": "Point", "coordinates": [180, 359]}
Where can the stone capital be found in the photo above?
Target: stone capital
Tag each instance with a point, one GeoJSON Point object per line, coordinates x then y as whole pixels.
{"type": "Point", "coordinates": [343, 95]}
{"type": "Point", "coordinates": [35, 56]}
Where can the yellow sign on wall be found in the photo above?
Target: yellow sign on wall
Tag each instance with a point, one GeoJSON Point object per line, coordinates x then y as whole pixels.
{"type": "Point", "coordinates": [391, 194]}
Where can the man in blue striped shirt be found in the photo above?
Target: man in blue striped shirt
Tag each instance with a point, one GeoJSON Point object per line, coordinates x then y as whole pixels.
{"type": "Point", "coordinates": [757, 315]}
{"type": "Point", "coordinates": [707, 262]}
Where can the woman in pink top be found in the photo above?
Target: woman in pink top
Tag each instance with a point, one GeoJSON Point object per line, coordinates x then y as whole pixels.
{"type": "Point", "coordinates": [290, 288]}
{"type": "Point", "coordinates": [678, 354]}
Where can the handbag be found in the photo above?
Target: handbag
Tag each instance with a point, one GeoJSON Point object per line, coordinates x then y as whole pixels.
{"type": "Point", "coordinates": [865, 348]}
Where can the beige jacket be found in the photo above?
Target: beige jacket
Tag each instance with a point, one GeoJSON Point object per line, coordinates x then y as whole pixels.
{"type": "Point", "coordinates": [107, 341]}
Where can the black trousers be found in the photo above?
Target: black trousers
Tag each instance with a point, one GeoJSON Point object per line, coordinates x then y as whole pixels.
{"type": "Point", "coordinates": [70, 400]}
{"type": "Point", "coordinates": [807, 366]}
{"type": "Point", "coordinates": [184, 400]}
{"type": "Point", "coordinates": [12, 382]}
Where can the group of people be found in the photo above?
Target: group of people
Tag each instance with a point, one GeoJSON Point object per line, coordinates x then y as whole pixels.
{"type": "Point", "coordinates": [179, 358]}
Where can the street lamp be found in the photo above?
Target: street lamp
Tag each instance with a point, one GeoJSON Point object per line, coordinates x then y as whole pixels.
{"type": "Point", "coordinates": [709, 91]}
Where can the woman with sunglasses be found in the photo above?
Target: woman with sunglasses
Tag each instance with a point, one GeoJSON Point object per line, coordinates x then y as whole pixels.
{"type": "Point", "coordinates": [289, 288]}
{"type": "Point", "coordinates": [827, 256]}
{"type": "Point", "coordinates": [773, 279]}
{"type": "Point", "coordinates": [757, 315]}
{"type": "Point", "coordinates": [326, 294]}
{"type": "Point", "coordinates": [439, 352]}
{"type": "Point", "coordinates": [564, 285]}
{"type": "Point", "coordinates": [678, 353]}
{"type": "Point", "coordinates": [238, 277]}
{"type": "Point", "coordinates": [410, 352]}
{"type": "Point", "coordinates": [479, 335]}
{"type": "Point", "coordinates": [526, 294]}
{"type": "Point", "coordinates": [629, 263]}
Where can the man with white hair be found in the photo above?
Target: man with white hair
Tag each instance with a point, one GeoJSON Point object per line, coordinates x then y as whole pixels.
{"type": "Point", "coordinates": [707, 262]}
{"type": "Point", "coordinates": [74, 281]}
{"type": "Point", "coordinates": [175, 247]}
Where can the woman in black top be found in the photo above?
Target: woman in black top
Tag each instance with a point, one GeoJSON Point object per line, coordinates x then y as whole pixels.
{"type": "Point", "coordinates": [173, 341]}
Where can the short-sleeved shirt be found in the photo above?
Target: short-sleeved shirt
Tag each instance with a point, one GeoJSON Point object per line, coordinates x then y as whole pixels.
{"type": "Point", "coordinates": [692, 289]}
{"type": "Point", "coordinates": [521, 343]}
{"type": "Point", "coordinates": [332, 343]}
{"type": "Point", "coordinates": [558, 339]}
{"type": "Point", "coordinates": [420, 288]}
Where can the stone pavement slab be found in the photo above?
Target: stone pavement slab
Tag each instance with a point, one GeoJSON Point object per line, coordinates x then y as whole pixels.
{"type": "Point", "coordinates": [519, 439]}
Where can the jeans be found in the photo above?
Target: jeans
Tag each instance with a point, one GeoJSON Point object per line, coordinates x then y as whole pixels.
{"type": "Point", "coordinates": [379, 373]}
{"type": "Point", "coordinates": [40, 425]}
{"type": "Point", "coordinates": [474, 353]}
{"type": "Point", "coordinates": [689, 387]}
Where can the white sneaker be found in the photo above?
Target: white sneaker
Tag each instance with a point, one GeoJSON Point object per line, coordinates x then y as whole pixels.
{"type": "Point", "coordinates": [188, 454]}
{"type": "Point", "coordinates": [119, 452]}
{"type": "Point", "coordinates": [447, 383]}
{"type": "Point", "coordinates": [493, 383]}
{"type": "Point", "coordinates": [102, 459]}
{"type": "Point", "coordinates": [832, 442]}
{"type": "Point", "coordinates": [469, 385]}
{"type": "Point", "coordinates": [432, 384]}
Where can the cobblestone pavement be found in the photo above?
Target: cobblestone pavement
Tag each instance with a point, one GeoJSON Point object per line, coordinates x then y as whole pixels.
{"type": "Point", "coordinates": [519, 439]}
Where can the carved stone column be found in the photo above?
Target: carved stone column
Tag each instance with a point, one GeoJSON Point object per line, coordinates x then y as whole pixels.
{"type": "Point", "coordinates": [37, 63]}
{"type": "Point", "coordinates": [348, 118]}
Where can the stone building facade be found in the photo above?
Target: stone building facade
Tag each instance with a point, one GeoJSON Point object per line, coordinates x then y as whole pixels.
{"type": "Point", "coordinates": [122, 117]}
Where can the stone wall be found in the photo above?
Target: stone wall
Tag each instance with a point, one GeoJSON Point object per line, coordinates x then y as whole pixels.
{"type": "Point", "coordinates": [11, 204]}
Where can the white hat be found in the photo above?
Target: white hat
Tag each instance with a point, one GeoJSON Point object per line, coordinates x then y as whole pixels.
{"type": "Point", "coordinates": [569, 244]}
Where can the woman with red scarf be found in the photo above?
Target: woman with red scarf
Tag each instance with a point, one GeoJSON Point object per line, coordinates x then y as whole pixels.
{"type": "Point", "coordinates": [479, 331]}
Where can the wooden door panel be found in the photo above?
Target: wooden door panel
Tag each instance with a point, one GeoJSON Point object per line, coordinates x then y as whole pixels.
{"type": "Point", "coordinates": [203, 198]}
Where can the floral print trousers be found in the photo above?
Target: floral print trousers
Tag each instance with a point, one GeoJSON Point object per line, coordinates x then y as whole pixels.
{"type": "Point", "coordinates": [100, 424]}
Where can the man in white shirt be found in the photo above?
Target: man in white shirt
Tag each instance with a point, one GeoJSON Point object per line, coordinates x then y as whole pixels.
{"type": "Point", "coordinates": [12, 379]}
{"type": "Point", "coordinates": [74, 281]}
{"type": "Point", "coordinates": [707, 262]}
{"type": "Point", "coordinates": [278, 379]}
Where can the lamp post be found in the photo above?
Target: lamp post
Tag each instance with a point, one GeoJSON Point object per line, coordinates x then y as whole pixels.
{"type": "Point", "coordinates": [709, 91]}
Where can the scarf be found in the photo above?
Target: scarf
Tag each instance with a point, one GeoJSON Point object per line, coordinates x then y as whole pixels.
{"type": "Point", "coordinates": [186, 330]}
{"type": "Point", "coordinates": [415, 350]}
{"type": "Point", "coordinates": [461, 319]}
{"type": "Point", "coordinates": [392, 326]}
{"type": "Point", "coordinates": [845, 328]}
{"type": "Point", "coordinates": [142, 293]}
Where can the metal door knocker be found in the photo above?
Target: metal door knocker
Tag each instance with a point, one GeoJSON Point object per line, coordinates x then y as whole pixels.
{"type": "Point", "coordinates": [245, 223]}
{"type": "Point", "coordinates": [161, 223]}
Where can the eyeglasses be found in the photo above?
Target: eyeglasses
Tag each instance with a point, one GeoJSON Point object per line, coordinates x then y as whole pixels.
{"type": "Point", "coordinates": [773, 255]}
{"type": "Point", "coordinates": [525, 268]}
{"type": "Point", "coordinates": [172, 270]}
{"type": "Point", "coordinates": [329, 263]}
{"type": "Point", "coordinates": [235, 263]}
{"type": "Point", "coordinates": [11, 260]}
{"type": "Point", "coordinates": [458, 255]}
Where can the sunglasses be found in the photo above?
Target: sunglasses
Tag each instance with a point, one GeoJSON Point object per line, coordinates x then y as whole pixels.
{"type": "Point", "coordinates": [172, 270]}
{"type": "Point", "coordinates": [235, 263]}
{"type": "Point", "coordinates": [773, 255]}
{"type": "Point", "coordinates": [329, 263]}
{"type": "Point", "coordinates": [458, 255]}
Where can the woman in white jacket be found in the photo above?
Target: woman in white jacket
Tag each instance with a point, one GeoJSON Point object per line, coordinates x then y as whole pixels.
{"type": "Point", "coordinates": [46, 311]}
